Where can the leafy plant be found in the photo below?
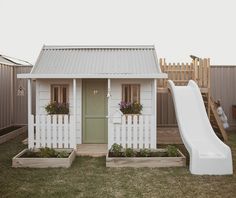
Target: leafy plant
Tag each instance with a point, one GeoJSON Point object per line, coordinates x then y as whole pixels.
{"type": "Point", "coordinates": [116, 149]}
{"type": "Point", "coordinates": [172, 151]}
{"type": "Point", "coordinates": [63, 154]}
{"type": "Point", "coordinates": [130, 108]}
{"type": "Point", "coordinates": [47, 152]}
{"type": "Point", "coordinates": [145, 152]}
{"type": "Point", "coordinates": [57, 108]}
{"type": "Point", "coordinates": [129, 152]}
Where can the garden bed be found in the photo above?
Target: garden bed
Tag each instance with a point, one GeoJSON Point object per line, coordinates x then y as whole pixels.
{"type": "Point", "coordinates": [145, 158]}
{"type": "Point", "coordinates": [11, 132]}
{"type": "Point", "coordinates": [26, 159]}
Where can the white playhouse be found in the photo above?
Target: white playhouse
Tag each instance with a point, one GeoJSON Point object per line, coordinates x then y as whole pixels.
{"type": "Point", "coordinates": [93, 81]}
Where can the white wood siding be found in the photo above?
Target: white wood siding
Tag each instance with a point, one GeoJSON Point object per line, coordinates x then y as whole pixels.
{"type": "Point", "coordinates": [43, 97]}
{"type": "Point", "coordinates": [146, 95]}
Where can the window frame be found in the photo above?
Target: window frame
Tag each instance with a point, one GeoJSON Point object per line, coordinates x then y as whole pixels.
{"type": "Point", "coordinates": [130, 97]}
{"type": "Point", "coordinates": [60, 92]}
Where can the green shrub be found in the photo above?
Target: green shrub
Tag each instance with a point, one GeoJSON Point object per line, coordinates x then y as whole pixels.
{"type": "Point", "coordinates": [172, 151]}
{"type": "Point", "coordinates": [47, 152]}
{"type": "Point", "coordinates": [145, 152]}
{"type": "Point", "coordinates": [62, 154]}
{"type": "Point", "coordinates": [57, 108]}
{"type": "Point", "coordinates": [116, 149]}
{"type": "Point", "coordinates": [129, 152]}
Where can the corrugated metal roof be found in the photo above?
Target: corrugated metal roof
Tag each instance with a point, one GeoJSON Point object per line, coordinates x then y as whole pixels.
{"type": "Point", "coordinates": [7, 60]}
{"type": "Point", "coordinates": [89, 60]}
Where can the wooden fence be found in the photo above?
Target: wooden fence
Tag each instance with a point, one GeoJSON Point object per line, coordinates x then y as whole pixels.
{"type": "Point", "coordinates": [132, 131]}
{"type": "Point", "coordinates": [181, 73]}
{"type": "Point", "coordinates": [53, 131]}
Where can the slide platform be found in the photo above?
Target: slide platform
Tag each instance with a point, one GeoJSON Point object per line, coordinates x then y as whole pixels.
{"type": "Point", "coordinates": [208, 154]}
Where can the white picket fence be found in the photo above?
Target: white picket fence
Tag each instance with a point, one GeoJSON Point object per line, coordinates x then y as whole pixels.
{"type": "Point", "coordinates": [132, 131]}
{"type": "Point", "coordinates": [53, 131]}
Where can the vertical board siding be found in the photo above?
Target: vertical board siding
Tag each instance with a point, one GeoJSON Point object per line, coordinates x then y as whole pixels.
{"type": "Point", "coordinates": [223, 87]}
{"type": "Point", "coordinates": [5, 96]}
{"type": "Point", "coordinates": [43, 97]}
{"type": "Point", "coordinates": [145, 94]}
{"type": "Point", "coordinates": [13, 108]}
{"type": "Point", "coordinates": [20, 109]}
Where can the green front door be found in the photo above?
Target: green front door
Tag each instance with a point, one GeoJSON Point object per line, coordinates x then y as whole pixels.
{"type": "Point", "coordinates": [94, 111]}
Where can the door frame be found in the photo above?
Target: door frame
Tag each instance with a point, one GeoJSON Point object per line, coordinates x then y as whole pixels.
{"type": "Point", "coordinates": [83, 106]}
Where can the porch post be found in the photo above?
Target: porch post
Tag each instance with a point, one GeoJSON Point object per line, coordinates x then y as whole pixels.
{"type": "Point", "coordinates": [109, 135]}
{"type": "Point", "coordinates": [30, 118]}
{"type": "Point", "coordinates": [74, 113]}
{"type": "Point", "coordinates": [154, 116]}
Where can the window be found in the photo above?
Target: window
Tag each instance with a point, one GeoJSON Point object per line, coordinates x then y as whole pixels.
{"type": "Point", "coordinates": [131, 93]}
{"type": "Point", "coordinates": [60, 93]}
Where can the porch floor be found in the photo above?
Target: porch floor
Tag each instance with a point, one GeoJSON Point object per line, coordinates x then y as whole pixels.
{"type": "Point", "coordinates": [93, 150]}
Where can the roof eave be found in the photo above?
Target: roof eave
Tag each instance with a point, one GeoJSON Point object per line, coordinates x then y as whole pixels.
{"type": "Point", "coordinates": [96, 76]}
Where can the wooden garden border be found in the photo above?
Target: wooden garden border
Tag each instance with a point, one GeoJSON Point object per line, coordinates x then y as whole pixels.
{"type": "Point", "coordinates": [151, 162]}
{"type": "Point", "coordinates": [13, 134]}
{"type": "Point", "coordinates": [18, 162]}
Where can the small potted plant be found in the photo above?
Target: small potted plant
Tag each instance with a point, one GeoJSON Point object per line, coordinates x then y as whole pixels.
{"type": "Point", "coordinates": [57, 108]}
{"type": "Point", "coordinates": [130, 108]}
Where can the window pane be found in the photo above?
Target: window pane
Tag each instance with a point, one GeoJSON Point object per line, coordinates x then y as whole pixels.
{"type": "Point", "coordinates": [135, 93]}
{"type": "Point", "coordinates": [55, 94]}
{"type": "Point", "coordinates": [64, 95]}
{"type": "Point", "coordinates": [131, 93]}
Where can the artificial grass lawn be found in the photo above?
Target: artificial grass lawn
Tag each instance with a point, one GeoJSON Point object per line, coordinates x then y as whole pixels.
{"type": "Point", "coordinates": [88, 177]}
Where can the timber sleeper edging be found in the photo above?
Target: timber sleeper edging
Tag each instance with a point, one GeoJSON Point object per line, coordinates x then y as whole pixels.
{"type": "Point", "coordinates": [13, 134]}
{"type": "Point", "coordinates": [19, 162]}
{"type": "Point", "coordinates": [151, 162]}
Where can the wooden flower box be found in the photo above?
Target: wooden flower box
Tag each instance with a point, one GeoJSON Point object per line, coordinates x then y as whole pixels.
{"type": "Point", "coordinates": [151, 162]}
{"type": "Point", "coordinates": [8, 136]}
{"type": "Point", "coordinates": [37, 162]}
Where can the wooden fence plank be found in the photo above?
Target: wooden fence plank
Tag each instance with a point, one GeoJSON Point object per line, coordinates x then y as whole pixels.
{"type": "Point", "coordinates": [129, 131]}
{"type": "Point", "coordinates": [66, 132]}
{"type": "Point", "coordinates": [146, 131]}
{"type": "Point", "coordinates": [43, 130]}
{"type": "Point", "coordinates": [135, 132]}
{"type": "Point", "coordinates": [54, 131]}
{"type": "Point", "coordinates": [140, 132]}
{"type": "Point", "coordinates": [48, 132]}
{"type": "Point", "coordinates": [38, 131]}
{"type": "Point", "coordinates": [59, 131]}
{"type": "Point", "coordinates": [124, 131]}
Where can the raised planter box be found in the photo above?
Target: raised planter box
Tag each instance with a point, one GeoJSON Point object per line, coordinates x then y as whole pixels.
{"type": "Point", "coordinates": [17, 161]}
{"type": "Point", "coordinates": [151, 162]}
{"type": "Point", "coordinates": [12, 134]}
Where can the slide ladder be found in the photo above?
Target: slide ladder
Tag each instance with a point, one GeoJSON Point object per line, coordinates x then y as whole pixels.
{"type": "Point", "coordinates": [208, 154]}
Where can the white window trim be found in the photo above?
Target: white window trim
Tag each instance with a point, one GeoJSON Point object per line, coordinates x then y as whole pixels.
{"type": "Point", "coordinates": [60, 95]}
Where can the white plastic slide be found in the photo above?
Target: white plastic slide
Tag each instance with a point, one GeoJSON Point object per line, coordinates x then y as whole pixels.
{"type": "Point", "coordinates": [208, 154]}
